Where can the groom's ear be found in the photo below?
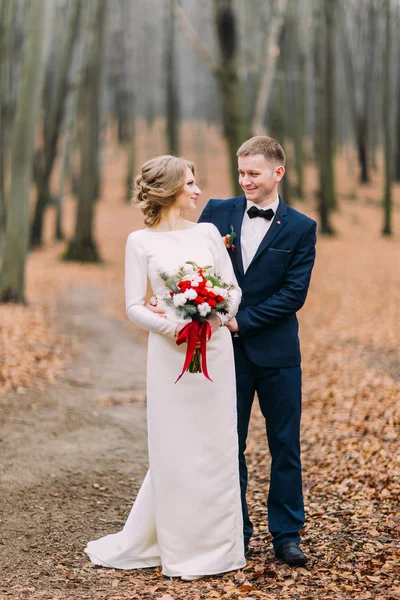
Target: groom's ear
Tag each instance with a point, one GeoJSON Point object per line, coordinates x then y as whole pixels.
{"type": "Point", "coordinates": [279, 172]}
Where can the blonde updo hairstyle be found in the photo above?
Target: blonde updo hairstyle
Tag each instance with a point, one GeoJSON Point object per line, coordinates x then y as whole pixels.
{"type": "Point", "coordinates": [156, 188]}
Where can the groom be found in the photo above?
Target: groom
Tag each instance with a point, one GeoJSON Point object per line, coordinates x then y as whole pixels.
{"type": "Point", "coordinates": [273, 256]}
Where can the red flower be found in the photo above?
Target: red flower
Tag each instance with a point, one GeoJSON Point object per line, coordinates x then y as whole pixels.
{"type": "Point", "coordinates": [201, 291]}
{"type": "Point", "coordinates": [219, 299]}
{"type": "Point", "coordinates": [212, 302]}
{"type": "Point", "coordinates": [184, 285]}
{"type": "Point", "coordinates": [233, 248]}
{"type": "Point", "coordinates": [198, 300]}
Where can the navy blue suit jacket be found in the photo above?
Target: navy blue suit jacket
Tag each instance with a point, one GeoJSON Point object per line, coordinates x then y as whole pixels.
{"type": "Point", "coordinates": [276, 282]}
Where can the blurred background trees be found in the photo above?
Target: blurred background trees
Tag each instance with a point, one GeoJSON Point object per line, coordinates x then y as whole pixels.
{"type": "Point", "coordinates": [322, 76]}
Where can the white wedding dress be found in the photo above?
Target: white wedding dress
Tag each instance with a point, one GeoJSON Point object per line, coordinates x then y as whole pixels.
{"type": "Point", "coordinates": [187, 516]}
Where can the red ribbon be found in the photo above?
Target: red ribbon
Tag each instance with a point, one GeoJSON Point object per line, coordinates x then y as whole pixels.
{"type": "Point", "coordinates": [190, 333]}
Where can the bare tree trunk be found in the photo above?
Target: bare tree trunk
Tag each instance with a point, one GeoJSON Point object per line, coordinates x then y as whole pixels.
{"type": "Point", "coordinates": [12, 277]}
{"type": "Point", "coordinates": [52, 124]}
{"type": "Point", "coordinates": [278, 118]}
{"type": "Point", "coordinates": [397, 152]}
{"type": "Point", "coordinates": [271, 54]}
{"type": "Point", "coordinates": [235, 126]}
{"type": "Point", "coordinates": [299, 126]}
{"type": "Point", "coordinates": [83, 247]}
{"type": "Point", "coordinates": [172, 95]}
{"type": "Point", "coordinates": [71, 106]}
{"type": "Point", "coordinates": [360, 113]}
{"type": "Point", "coordinates": [330, 20]}
{"type": "Point", "coordinates": [131, 154]}
{"type": "Point", "coordinates": [387, 133]}
{"type": "Point", "coordinates": [323, 130]}
{"type": "Point", "coordinates": [6, 14]}
{"type": "Point", "coordinates": [233, 114]}
{"type": "Point", "coordinates": [397, 127]}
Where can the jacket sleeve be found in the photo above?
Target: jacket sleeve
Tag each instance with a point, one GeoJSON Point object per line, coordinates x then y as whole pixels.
{"type": "Point", "coordinates": [292, 295]}
{"type": "Point", "coordinates": [223, 267]}
{"type": "Point", "coordinates": [205, 216]}
{"type": "Point", "coordinates": [135, 292]}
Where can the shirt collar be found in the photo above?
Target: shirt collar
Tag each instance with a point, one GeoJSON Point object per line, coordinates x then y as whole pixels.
{"type": "Point", "coordinates": [274, 205]}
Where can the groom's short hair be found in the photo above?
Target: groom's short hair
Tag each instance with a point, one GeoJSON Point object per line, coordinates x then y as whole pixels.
{"type": "Point", "coordinates": [262, 144]}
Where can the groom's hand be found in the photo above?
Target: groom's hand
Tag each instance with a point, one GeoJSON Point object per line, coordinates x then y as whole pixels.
{"type": "Point", "coordinates": [232, 325]}
{"type": "Point", "coordinates": [152, 305]}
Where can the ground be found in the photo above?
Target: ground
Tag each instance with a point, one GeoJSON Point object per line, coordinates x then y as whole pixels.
{"type": "Point", "coordinates": [73, 416]}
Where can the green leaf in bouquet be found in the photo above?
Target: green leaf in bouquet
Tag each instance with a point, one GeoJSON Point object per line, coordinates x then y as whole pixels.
{"type": "Point", "coordinates": [222, 306]}
{"type": "Point", "coordinates": [213, 280]}
{"type": "Point", "coordinates": [191, 262]}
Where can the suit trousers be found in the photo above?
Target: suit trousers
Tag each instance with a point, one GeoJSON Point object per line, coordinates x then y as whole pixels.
{"type": "Point", "coordinates": [279, 395]}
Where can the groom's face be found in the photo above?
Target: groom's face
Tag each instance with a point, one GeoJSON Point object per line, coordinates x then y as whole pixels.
{"type": "Point", "coordinates": [259, 178]}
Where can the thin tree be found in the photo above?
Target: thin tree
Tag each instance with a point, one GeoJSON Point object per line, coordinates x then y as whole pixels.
{"type": "Point", "coordinates": [83, 247]}
{"type": "Point", "coordinates": [323, 129]}
{"type": "Point", "coordinates": [172, 96]}
{"type": "Point", "coordinates": [45, 157]}
{"type": "Point", "coordinates": [387, 125]}
{"type": "Point", "coordinates": [397, 126]}
{"type": "Point", "coordinates": [6, 14]}
{"type": "Point", "coordinates": [71, 107]}
{"type": "Point", "coordinates": [233, 114]}
{"type": "Point", "coordinates": [12, 277]}
{"type": "Point", "coordinates": [271, 54]}
{"type": "Point", "coordinates": [301, 22]}
{"type": "Point", "coordinates": [131, 151]}
{"type": "Point", "coordinates": [235, 125]}
{"type": "Point", "coordinates": [360, 103]}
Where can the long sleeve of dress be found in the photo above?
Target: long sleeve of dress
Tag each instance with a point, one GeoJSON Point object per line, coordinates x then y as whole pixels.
{"type": "Point", "coordinates": [135, 291]}
{"type": "Point", "coordinates": [223, 267]}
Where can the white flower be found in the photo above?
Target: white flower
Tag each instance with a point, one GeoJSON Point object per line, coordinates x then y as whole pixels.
{"type": "Point", "coordinates": [193, 278]}
{"type": "Point", "coordinates": [220, 291]}
{"type": "Point", "coordinates": [204, 309]}
{"type": "Point", "coordinates": [209, 283]}
{"type": "Point", "coordinates": [190, 294]}
{"type": "Point", "coordinates": [179, 299]}
{"type": "Point", "coordinates": [188, 268]}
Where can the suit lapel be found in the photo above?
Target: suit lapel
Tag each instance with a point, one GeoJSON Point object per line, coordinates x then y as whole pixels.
{"type": "Point", "coordinates": [277, 226]}
{"type": "Point", "coordinates": [235, 221]}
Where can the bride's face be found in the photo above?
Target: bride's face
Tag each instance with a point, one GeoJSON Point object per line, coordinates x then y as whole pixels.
{"type": "Point", "coordinates": [187, 197]}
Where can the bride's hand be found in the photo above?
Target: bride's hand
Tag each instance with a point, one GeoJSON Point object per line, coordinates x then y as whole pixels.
{"type": "Point", "coordinates": [179, 329]}
{"type": "Point", "coordinates": [215, 323]}
{"type": "Point", "coordinates": [152, 305]}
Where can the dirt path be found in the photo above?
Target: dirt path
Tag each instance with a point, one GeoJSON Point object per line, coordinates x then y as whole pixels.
{"type": "Point", "coordinates": [73, 453]}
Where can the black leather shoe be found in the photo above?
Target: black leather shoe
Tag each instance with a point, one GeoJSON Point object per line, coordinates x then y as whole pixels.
{"type": "Point", "coordinates": [291, 554]}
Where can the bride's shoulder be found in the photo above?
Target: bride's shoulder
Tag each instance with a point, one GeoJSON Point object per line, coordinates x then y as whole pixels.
{"type": "Point", "coordinates": [136, 238]}
{"type": "Point", "coordinates": [137, 234]}
{"type": "Point", "coordinates": [210, 229]}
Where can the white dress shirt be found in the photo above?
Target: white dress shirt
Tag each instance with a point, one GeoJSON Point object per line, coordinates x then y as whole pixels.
{"type": "Point", "coordinates": [253, 231]}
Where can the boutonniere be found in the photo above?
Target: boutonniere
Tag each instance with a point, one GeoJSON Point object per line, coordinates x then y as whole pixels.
{"type": "Point", "coordinates": [228, 239]}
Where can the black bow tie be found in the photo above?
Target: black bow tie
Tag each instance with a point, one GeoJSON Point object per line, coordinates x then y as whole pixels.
{"type": "Point", "coordinates": [257, 212]}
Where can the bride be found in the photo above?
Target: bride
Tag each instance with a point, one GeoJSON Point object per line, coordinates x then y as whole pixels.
{"type": "Point", "coordinates": [187, 516]}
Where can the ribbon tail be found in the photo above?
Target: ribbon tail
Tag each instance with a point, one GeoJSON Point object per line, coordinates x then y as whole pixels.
{"type": "Point", "coordinates": [188, 333]}
{"type": "Point", "coordinates": [205, 334]}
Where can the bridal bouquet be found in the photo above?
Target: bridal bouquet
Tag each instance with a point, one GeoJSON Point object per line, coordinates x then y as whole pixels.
{"type": "Point", "coordinates": [195, 294]}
